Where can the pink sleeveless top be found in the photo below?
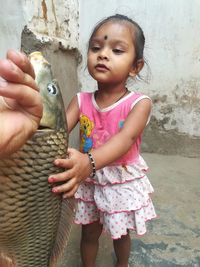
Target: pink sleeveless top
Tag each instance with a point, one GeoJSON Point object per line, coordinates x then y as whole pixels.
{"type": "Point", "coordinates": [118, 195]}
{"type": "Point", "coordinates": [97, 125]}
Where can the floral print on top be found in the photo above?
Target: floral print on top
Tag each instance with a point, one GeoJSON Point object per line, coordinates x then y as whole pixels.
{"type": "Point", "coordinates": [86, 127]}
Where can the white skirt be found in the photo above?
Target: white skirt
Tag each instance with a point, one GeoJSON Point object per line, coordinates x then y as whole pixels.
{"type": "Point", "coordinates": [119, 197]}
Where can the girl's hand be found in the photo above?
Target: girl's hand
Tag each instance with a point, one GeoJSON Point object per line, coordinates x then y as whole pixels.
{"type": "Point", "coordinates": [20, 102]}
{"type": "Point", "coordinates": [78, 168]}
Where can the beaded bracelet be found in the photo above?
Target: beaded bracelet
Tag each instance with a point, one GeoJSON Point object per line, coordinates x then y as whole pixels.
{"type": "Point", "coordinates": [93, 164]}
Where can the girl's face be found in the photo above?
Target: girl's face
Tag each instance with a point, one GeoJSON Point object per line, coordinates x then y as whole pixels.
{"type": "Point", "coordinates": [111, 53]}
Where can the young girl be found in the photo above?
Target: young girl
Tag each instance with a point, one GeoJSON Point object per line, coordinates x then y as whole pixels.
{"type": "Point", "coordinates": [115, 195]}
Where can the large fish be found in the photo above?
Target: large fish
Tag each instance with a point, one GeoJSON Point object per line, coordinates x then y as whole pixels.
{"type": "Point", "coordinates": [34, 222]}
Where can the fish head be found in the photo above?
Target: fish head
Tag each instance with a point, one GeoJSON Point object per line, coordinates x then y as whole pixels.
{"type": "Point", "coordinates": [53, 117]}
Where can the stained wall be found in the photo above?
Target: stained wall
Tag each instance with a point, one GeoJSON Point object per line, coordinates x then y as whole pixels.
{"type": "Point", "coordinates": [172, 78]}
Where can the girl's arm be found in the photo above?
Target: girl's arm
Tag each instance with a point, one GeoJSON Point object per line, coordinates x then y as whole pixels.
{"type": "Point", "coordinates": [72, 114]}
{"type": "Point", "coordinates": [120, 143]}
{"type": "Point", "coordinates": [79, 166]}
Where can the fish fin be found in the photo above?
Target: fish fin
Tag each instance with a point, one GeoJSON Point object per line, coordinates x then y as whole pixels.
{"type": "Point", "coordinates": [64, 228]}
{"type": "Point", "coordinates": [6, 261]}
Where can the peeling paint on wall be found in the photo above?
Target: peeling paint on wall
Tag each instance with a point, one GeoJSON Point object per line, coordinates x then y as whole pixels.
{"type": "Point", "coordinates": [175, 124]}
{"type": "Point", "coordinates": [54, 19]}
{"type": "Point", "coordinates": [180, 110]}
{"type": "Point", "coordinates": [157, 139]}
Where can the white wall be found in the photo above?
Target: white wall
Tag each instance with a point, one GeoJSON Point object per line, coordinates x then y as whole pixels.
{"type": "Point", "coordinates": [172, 30]}
{"type": "Point", "coordinates": [11, 24]}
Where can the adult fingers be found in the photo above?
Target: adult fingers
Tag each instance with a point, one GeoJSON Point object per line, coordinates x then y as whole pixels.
{"type": "Point", "coordinates": [22, 61]}
{"type": "Point", "coordinates": [12, 73]}
{"type": "Point", "coordinates": [26, 98]}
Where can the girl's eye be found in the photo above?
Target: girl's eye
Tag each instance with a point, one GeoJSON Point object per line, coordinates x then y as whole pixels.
{"type": "Point", "coordinates": [118, 51]}
{"type": "Point", "coordinates": [95, 48]}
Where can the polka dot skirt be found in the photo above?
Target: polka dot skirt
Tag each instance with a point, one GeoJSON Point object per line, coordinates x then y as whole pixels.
{"type": "Point", "coordinates": [118, 206]}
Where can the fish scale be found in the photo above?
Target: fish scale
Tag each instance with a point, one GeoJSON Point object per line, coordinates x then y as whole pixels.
{"type": "Point", "coordinates": [34, 196]}
{"type": "Point", "coordinates": [34, 222]}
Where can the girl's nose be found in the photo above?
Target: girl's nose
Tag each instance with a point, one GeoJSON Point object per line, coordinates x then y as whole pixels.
{"type": "Point", "coordinates": [103, 54]}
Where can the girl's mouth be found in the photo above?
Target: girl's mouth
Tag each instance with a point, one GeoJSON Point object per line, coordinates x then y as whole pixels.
{"type": "Point", "coordinates": [101, 67]}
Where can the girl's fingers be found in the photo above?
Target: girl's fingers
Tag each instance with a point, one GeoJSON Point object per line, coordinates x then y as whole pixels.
{"type": "Point", "coordinates": [60, 177]}
{"type": "Point", "coordinates": [76, 165]}
{"type": "Point", "coordinates": [64, 163]}
{"type": "Point", "coordinates": [71, 192]}
{"type": "Point", "coordinates": [71, 151]}
{"type": "Point", "coordinates": [66, 187]}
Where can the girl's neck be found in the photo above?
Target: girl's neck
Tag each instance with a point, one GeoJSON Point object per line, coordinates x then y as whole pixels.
{"type": "Point", "coordinates": [107, 96]}
{"type": "Point", "coordinates": [111, 89]}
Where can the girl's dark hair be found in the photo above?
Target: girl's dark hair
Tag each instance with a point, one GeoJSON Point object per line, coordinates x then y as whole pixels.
{"type": "Point", "coordinates": [138, 36]}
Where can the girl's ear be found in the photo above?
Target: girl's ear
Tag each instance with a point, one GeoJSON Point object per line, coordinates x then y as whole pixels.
{"type": "Point", "coordinates": [136, 68]}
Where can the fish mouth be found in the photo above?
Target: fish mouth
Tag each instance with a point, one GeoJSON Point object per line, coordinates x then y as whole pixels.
{"type": "Point", "coordinates": [44, 128]}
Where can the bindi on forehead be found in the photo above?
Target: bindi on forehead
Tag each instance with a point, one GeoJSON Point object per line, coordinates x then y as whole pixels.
{"type": "Point", "coordinates": [105, 37]}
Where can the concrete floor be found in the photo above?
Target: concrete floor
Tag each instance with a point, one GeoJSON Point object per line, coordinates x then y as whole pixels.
{"type": "Point", "coordinates": [173, 239]}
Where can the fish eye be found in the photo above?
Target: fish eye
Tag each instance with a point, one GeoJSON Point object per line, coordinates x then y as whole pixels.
{"type": "Point", "coordinates": [52, 89]}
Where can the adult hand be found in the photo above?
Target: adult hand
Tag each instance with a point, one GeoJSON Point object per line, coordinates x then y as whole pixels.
{"type": "Point", "coordinates": [20, 102]}
{"type": "Point", "coordinates": [78, 168]}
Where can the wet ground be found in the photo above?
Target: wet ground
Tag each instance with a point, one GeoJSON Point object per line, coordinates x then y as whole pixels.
{"type": "Point", "coordinates": [173, 239]}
